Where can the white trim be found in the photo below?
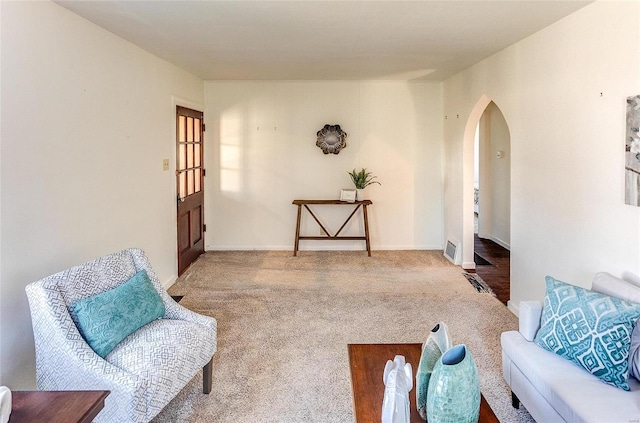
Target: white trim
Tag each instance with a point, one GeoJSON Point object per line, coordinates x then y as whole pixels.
{"type": "Point", "coordinates": [468, 265]}
{"type": "Point", "coordinates": [169, 282]}
{"type": "Point", "coordinates": [249, 248]}
{"type": "Point", "coordinates": [322, 247]}
{"type": "Point", "coordinates": [513, 307]}
{"type": "Point", "coordinates": [431, 247]}
{"type": "Point", "coordinates": [501, 243]}
{"type": "Point", "coordinates": [189, 104]}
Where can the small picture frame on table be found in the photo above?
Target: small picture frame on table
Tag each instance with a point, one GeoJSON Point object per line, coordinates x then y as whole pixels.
{"type": "Point", "coordinates": [348, 195]}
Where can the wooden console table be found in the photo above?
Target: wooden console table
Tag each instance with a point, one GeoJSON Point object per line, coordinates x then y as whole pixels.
{"type": "Point", "coordinates": [56, 406]}
{"type": "Point", "coordinates": [357, 204]}
{"type": "Point", "coordinates": [367, 362]}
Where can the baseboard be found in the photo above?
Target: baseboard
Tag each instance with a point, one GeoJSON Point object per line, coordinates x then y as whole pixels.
{"type": "Point", "coordinates": [501, 243]}
{"type": "Point", "coordinates": [321, 246]}
{"type": "Point", "coordinates": [469, 265]}
{"type": "Point", "coordinates": [169, 282]}
{"type": "Point", "coordinates": [249, 248]}
{"type": "Point", "coordinates": [408, 247]}
{"type": "Point", "coordinates": [513, 308]}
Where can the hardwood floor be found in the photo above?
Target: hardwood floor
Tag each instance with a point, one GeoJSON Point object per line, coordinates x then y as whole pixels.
{"type": "Point", "coordinates": [497, 273]}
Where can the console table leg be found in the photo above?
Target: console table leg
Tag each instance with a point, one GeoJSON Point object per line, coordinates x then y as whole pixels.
{"type": "Point", "coordinates": [366, 229]}
{"type": "Point", "coordinates": [295, 245]}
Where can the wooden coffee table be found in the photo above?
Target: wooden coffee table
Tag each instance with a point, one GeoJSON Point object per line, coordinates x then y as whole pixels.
{"type": "Point", "coordinates": [56, 406]}
{"type": "Point", "coordinates": [367, 363]}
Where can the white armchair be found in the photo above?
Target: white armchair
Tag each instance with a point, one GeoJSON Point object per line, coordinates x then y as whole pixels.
{"type": "Point", "coordinates": [145, 370]}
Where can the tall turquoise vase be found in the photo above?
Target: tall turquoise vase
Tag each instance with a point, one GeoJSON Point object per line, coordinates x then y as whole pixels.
{"type": "Point", "coordinates": [454, 388]}
{"type": "Point", "coordinates": [436, 344]}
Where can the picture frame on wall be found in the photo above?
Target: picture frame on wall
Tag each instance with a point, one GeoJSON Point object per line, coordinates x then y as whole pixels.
{"type": "Point", "coordinates": [348, 195]}
{"type": "Point", "coordinates": [632, 152]}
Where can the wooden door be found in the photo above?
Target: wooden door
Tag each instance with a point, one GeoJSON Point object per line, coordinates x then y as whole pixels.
{"type": "Point", "coordinates": [190, 189]}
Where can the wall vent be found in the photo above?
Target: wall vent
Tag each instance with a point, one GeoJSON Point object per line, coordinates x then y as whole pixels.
{"type": "Point", "coordinates": [451, 250]}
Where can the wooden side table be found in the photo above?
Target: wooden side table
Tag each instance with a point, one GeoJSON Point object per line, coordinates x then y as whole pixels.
{"type": "Point", "coordinates": [56, 406]}
{"type": "Point", "coordinates": [357, 204]}
{"type": "Point", "coordinates": [367, 363]}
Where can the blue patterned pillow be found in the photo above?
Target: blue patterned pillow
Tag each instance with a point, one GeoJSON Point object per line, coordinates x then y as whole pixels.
{"type": "Point", "coordinates": [107, 318]}
{"type": "Point", "coordinates": [591, 329]}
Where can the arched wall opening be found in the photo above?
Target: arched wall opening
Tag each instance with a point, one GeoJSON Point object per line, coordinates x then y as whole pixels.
{"type": "Point", "coordinates": [468, 177]}
{"type": "Point", "coordinates": [490, 185]}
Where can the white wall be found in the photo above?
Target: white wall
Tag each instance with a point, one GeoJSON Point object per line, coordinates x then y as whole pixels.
{"type": "Point", "coordinates": [87, 119]}
{"type": "Point", "coordinates": [261, 152]}
{"type": "Point", "coordinates": [568, 217]}
{"type": "Point", "coordinates": [1, 289]}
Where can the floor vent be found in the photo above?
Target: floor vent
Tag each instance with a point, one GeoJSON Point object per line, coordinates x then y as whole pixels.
{"type": "Point", "coordinates": [451, 250]}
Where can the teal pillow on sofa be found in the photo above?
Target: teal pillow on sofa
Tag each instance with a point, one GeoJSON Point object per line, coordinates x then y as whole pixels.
{"type": "Point", "coordinates": [107, 318]}
{"type": "Point", "coordinates": [591, 329]}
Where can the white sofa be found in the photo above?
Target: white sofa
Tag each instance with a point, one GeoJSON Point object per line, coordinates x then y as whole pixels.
{"type": "Point", "coordinates": [552, 388]}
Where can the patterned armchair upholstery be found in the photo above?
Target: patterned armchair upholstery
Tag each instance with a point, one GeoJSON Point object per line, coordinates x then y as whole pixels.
{"type": "Point", "coordinates": [144, 371]}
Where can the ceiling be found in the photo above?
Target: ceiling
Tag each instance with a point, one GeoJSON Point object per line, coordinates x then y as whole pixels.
{"type": "Point", "coordinates": [323, 40]}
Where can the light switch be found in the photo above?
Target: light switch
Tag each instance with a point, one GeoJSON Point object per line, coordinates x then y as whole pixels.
{"type": "Point", "coordinates": [165, 164]}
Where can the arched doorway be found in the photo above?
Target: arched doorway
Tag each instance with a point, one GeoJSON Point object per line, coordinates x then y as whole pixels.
{"type": "Point", "coordinates": [487, 197]}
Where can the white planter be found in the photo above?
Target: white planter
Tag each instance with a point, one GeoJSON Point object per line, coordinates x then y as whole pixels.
{"type": "Point", "coordinates": [438, 342]}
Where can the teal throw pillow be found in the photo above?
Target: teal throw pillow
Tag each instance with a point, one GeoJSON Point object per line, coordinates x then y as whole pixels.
{"type": "Point", "coordinates": [107, 318]}
{"type": "Point", "coordinates": [591, 329]}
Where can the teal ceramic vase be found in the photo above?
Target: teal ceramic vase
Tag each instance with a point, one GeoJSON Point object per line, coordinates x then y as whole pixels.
{"type": "Point", "coordinates": [454, 388]}
{"type": "Point", "coordinates": [436, 344]}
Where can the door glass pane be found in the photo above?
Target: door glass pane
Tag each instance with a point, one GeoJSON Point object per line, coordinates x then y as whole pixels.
{"type": "Point", "coordinates": [181, 128]}
{"type": "Point", "coordinates": [190, 182]}
{"type": "Point", "coordinates": [182, 152]}
{"type": "Point", "coordinates": [189, 155]}
{"type": "Point", "coordinates": [182, 185]}
{"type": "Point", "coordinates": [198, 122]}
{"type": "Point", "coordinates": [189, 129]}
{"type": "Point", "coordinates": [197, 156]}
{"type": "Point", "coordinates": [198, 179]}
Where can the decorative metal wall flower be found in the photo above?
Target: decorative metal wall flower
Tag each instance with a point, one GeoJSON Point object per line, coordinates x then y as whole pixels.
{"type": "Point", "coordinates": [331, 139]}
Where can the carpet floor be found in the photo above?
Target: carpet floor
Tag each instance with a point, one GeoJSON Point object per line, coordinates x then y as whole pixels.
{"type": "Point", "coordinates": [284, 324]}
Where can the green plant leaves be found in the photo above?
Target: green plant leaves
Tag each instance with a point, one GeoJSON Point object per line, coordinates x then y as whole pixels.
{"type": "Point", "coordinates": [363, 178]}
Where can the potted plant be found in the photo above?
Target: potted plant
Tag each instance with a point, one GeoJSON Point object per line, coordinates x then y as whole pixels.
{"type": "Point", "coordinates": [362, 180]}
